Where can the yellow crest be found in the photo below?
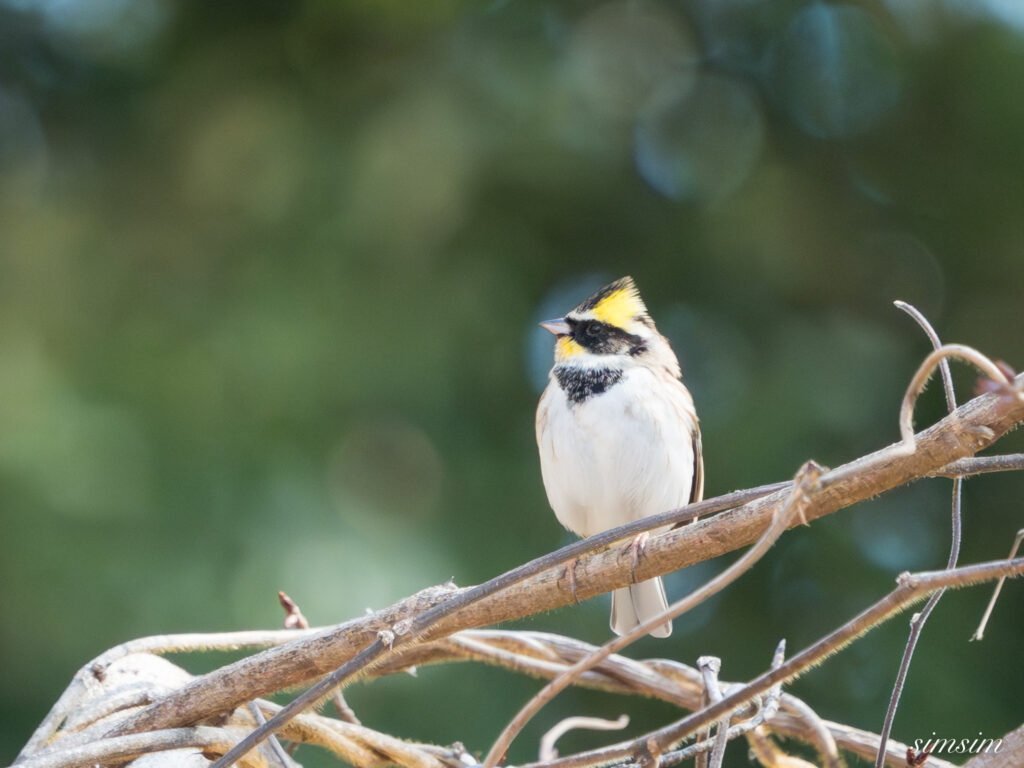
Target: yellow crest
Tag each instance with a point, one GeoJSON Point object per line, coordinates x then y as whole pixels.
{"type": "Point", "coordinates": [616, 304]}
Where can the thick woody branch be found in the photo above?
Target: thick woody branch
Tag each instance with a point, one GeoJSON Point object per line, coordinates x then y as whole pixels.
{"type": "Point", "coordinates": [128, 747]}
{"type": "Point", "coordinates": [1011, 752]}
{"type": "Point", "coordinates": [533, 653]}
{"type": "Point", "coordinates": [441, 611]}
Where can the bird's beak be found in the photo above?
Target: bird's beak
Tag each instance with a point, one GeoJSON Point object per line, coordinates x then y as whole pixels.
{"type": "Point", "coordinates": [559, 327]}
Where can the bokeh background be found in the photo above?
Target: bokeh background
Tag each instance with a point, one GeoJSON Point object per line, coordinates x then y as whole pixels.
{"type": "Point", "coordinates": [270, 274]}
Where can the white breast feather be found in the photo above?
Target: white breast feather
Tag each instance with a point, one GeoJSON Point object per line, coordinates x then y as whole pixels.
{"type": "Point", "coordinates": [618, 456]}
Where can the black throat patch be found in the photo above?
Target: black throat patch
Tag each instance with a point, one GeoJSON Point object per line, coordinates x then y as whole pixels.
{"type": "Point", "coordinates": [579, 384]}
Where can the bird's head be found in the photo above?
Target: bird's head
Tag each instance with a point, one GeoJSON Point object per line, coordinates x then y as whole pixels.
{"type": "Point", "coordinates": [611, 327]}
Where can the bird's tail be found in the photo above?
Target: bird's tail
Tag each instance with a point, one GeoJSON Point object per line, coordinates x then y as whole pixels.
{"type": "Point", "coordinates": [636, 604]}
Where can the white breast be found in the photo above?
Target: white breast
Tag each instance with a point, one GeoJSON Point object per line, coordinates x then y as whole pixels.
{"type": "Point", "coordinates": [618, 456]}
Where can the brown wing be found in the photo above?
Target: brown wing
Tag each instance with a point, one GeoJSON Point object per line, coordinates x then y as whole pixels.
{"type": "Point", "coordinates": [697, 492]}
{"type": "Point", "coordinates": [685, 411]}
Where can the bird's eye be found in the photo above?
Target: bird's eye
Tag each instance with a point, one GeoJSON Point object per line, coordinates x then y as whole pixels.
{"type": "Point", "coordinates": [593, 329]}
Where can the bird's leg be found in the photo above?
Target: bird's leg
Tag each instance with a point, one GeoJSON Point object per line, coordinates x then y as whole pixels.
{"type": "Point", "coordinates": [570, 571]}
{"type": "Point", "coordinates": [636, 547]}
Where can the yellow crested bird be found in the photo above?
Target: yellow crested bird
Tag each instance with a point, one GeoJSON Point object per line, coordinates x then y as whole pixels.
{"type": "Point", "coordinates": [617, 431]}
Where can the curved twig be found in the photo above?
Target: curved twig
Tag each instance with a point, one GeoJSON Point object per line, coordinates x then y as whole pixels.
{"type": "Point", "coordinates": [769, 754]}
{"type": "Point", "coordinates": [818, 731]}
{"type": "Point", "coordinates": [548, 750]}
{"type": "Point", "coordinates": [933, 337]}
{"type": "Point", "coordinates": [924, 372]}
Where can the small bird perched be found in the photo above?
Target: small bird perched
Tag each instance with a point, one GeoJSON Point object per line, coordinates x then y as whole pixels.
{"type": "Point", "coordinates": [617, 431]}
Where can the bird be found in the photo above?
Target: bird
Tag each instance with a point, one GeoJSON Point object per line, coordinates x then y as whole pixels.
{"type": "Point", "coordinates": [617, 432]}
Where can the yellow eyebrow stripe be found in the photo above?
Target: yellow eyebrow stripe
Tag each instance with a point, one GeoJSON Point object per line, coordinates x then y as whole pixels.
{"type": "Point", "coordinates": [619, 307]}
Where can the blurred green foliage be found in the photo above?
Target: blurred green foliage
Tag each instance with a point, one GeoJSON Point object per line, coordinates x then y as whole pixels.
{"type": "Point", "coordinates": [269, 279]}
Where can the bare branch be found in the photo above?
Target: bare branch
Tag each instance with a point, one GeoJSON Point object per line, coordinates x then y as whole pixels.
{"type": "Point", "coordinates": [359, 745]}
{"type": "Point", "coordinates": [768, 753]}
{"type": "Point", "coordinates": [542, 655]}
{"type": "Point", "coordinates": [977, 465]}
{"type": "Point", "coordinates": [864, 744]}
{"type": "Point", "coordinates": [548, 751]}
{"type": "Point", "coordinates": [295, 619]}
{"type": "Point", "coordinates": [815, 730]}
{"type": "Point", "coordinates": [128, 747]}
{"type": "Point", "coordinates": [980, 631]}
{"type": "Point", "coordinates": [1011, 752]}
{"type": "Point", "coordinates": [933, 337]}
{"type": "Point", "coordinates": [275, 746]}
{"type": "Point", "coordinates": [709, 667]}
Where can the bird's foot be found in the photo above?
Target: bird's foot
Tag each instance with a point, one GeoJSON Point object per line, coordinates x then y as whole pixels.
{"type": "Point", "coordinates": [636, 548]}
{"type": "Point", "coordinates": [570, 571]}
